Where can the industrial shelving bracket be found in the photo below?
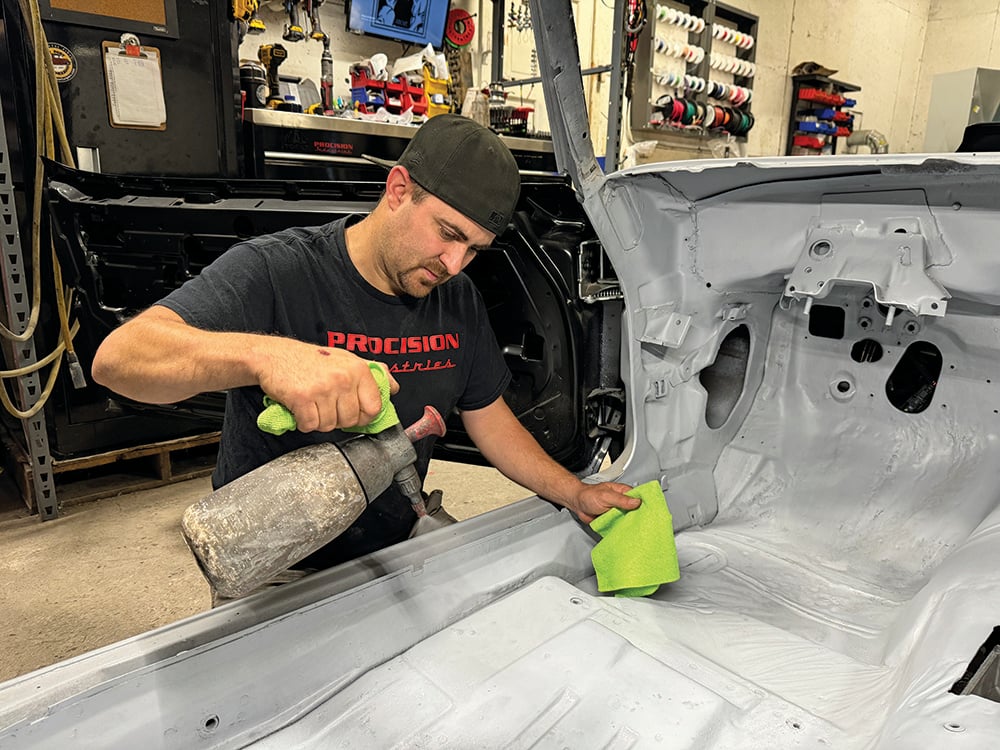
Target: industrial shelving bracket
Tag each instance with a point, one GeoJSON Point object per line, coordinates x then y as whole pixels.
{"type": "Point", "coordinates": [18, 305]}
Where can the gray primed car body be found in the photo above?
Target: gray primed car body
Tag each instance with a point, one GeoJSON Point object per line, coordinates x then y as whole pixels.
{"type": "Point", "coordinates": [840, 556]}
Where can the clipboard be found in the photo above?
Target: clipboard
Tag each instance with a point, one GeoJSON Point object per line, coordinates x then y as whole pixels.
{"type": "Point", "coordinates": [134, 83]}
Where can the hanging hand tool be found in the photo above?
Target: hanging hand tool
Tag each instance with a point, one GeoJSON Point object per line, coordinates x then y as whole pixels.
{"type": "Point", "coordinates": [267, 520]}
{"type": "Point", "coordinates": [326, 77]}
{"type": "Point", "coordinates": [271, 56]}
{"type": "Point", "coordinates": [325, 105]}
{"type": "Point", "coordinates": [244, 12]}
{"type": "Point", "coordinates": [293, 29]}
{"type": "Point", "coordinates": [255, 25]}
{"type": "Point", "coordinates": [312, 10]}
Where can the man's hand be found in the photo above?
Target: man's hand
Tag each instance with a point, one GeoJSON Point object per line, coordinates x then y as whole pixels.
{"type": "Point", "coordinates": [325, 388]}
{"type": "Point", "coordinates": [594, 499]}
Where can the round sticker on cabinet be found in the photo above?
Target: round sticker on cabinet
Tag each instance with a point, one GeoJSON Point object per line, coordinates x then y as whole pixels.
{"type": "Point", "coordinates": [63, 61]}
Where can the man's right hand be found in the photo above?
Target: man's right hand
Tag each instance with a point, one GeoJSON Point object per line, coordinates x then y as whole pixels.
{"type": "Point", "coordinates": [157, 358]}
{"type": "Point", "coordinates": [325, 388]}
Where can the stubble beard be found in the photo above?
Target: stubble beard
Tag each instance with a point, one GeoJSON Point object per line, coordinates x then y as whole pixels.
{"type": "Point", "coordinates": [413, 282]}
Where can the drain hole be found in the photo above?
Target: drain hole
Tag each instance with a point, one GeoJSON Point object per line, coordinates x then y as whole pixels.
{"type": "Point", "coordinates": [211, 723]}
{"type": "Point", "coordinates": [866, 350]}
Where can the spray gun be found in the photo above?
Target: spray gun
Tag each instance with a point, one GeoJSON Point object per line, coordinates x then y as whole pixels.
{"type": "Point", "coordinates": [293, 29]}
{"type": "Point", "coordinates": [270, 518]}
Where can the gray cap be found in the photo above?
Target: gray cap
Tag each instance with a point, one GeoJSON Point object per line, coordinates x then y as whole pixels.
{"type": "Point", "coordinates": [465, 165]}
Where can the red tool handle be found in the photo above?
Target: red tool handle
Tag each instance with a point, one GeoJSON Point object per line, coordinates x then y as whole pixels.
{"type": "Point", "coordinates": [429, 424]}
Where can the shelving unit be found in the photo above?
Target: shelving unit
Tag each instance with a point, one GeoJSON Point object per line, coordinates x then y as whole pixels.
{"type": "Point", "coordinates": [819, 116]}
{"type": "Point", "coordinates": [662, 77]}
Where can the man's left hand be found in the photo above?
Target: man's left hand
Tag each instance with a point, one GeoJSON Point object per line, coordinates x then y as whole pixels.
{"type": "Point", "coordinates": [591, 500]}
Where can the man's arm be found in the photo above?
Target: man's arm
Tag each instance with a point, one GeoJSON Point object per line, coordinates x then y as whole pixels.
{"type": "Point", "coordinates": [158, 358]}
{"type": "Point", "coordinates": [511, 448]}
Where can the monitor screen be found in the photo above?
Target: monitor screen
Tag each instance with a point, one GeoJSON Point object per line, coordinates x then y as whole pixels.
{"type": "Point", "coordinates": [410, 21]}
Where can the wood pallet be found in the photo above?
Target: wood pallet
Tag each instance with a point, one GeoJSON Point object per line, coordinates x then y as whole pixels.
{"type": "Point", "coordinates": [140, 467]}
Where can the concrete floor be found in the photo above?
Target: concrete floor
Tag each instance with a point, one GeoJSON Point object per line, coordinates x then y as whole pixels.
{"type": "Point", "coordinates": [110, 569]}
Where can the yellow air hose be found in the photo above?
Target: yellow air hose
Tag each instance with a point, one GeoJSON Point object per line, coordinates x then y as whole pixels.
{"type": "Point", "coordinates": [49, 127]}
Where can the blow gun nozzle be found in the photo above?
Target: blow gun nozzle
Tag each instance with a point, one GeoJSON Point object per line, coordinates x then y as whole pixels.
{"type": "Point", "coordinates": [407, 478]}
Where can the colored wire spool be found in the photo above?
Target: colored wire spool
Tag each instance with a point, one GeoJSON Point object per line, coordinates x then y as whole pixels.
{"type": "Point", "coordinates": [460, 27]}
{"type": "Point", "coordinates": [665, 104]}
{"type": "Point", "coordinates": [709, 116]}
{"type": "Point", "coordinates": [689, 112]}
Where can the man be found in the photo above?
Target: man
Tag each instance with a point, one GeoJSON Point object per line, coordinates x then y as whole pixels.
{"type": "Point", "coordinates": [297, 315]}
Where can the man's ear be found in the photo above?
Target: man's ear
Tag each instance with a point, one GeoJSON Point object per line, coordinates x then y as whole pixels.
{"type": "Point", "coordinates": [397, 186]}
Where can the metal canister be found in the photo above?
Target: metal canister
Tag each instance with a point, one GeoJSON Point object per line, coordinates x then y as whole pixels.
{"type": "Point", "coordinates": [253, 81]}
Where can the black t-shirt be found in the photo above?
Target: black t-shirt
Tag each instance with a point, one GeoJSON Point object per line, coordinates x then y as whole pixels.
{"type": "Point", "coordinates": [301, 283]}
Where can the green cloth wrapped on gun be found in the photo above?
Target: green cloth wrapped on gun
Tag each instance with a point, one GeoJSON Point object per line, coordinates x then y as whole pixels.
{"type": "Point", "coordinates": [637, 552]}
{"type": "Point", "coordinates": [276, 419]}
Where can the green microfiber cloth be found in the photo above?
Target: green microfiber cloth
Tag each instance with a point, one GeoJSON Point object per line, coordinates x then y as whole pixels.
{"type": "Point", "coordinates": [277, 419]}
{"type": "Point", "coordinates": [637, 551]}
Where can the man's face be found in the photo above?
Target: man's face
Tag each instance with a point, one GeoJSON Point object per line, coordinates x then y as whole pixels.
{"type": "Point", "coordinates": [430, 243]}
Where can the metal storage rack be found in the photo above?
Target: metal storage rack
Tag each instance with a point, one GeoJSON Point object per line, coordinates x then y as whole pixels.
{"type": "Point", "coordinates": [835, 122]}
{"type": "Point", "coordinates": [646, 87]}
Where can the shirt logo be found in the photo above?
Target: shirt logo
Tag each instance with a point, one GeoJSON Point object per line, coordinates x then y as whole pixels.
{"type": "Point", "coordinates": [435, 345]}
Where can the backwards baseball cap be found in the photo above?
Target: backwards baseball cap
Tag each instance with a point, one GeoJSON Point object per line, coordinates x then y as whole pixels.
{"type": "Point", "coordinates": [465, 165]}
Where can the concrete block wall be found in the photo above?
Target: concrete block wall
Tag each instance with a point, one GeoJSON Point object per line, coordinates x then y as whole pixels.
{"type": "Point", "coordinates": [961, 34]}
{"type": "Point", "coordinates": [876, 44]}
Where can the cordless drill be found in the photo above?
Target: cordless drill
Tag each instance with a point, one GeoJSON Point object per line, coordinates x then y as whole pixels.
{"type": "Point", "coordinates": [255, 25]}
{"type": "Point", "coordinates": [271, 56]}
{"type": "Point", "coordinates": [293, 29]}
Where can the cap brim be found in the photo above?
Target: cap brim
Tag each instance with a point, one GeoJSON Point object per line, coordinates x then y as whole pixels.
{"type": "Point", "coordinates": [387, 163]}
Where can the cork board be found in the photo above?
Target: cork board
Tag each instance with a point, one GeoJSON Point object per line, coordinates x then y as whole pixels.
{"type": "Point", "coordinates": [157, 17]}
{"type": "Point", "coordinates": [147, 11]}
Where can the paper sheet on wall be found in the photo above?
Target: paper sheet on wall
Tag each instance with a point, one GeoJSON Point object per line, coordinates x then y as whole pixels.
{"type": "Point", "coordinates": [135, 89]}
